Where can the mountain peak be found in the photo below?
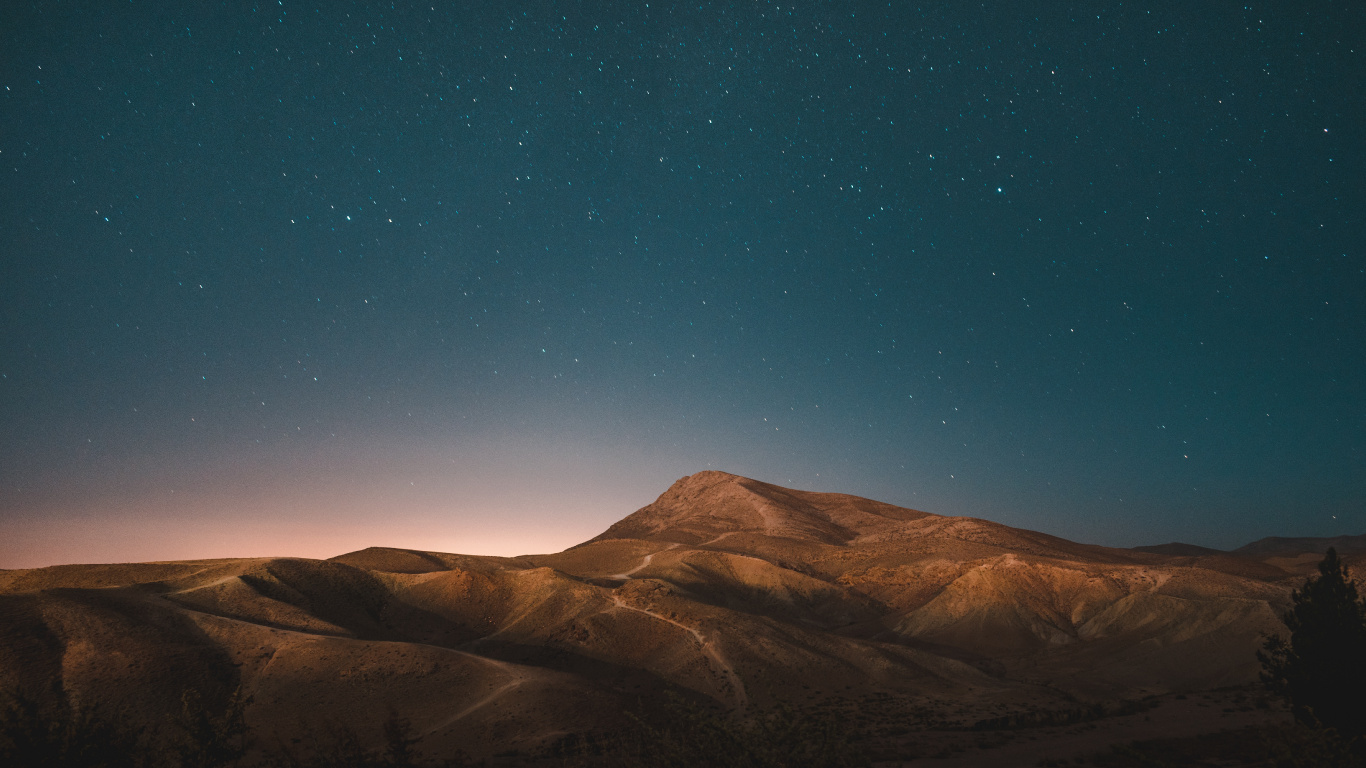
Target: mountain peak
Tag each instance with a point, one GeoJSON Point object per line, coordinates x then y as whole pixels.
{"type": "Point", "coordinates": [705, 506]}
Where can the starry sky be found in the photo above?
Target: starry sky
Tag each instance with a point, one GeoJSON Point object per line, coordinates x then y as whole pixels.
{"type": "Point", "coordinates": [292, 279]}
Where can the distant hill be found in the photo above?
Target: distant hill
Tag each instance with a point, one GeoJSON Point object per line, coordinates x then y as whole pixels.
{"type": "Point", "coordinates": [1178, 549]}
{"type": "Point", "coordinates": [1276, 546]}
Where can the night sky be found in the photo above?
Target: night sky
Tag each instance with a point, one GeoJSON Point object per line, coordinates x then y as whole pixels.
{"type": "Point", "coordinates": [289, 279]}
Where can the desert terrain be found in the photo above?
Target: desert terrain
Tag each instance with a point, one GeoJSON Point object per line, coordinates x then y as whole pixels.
{"type": "Point", "coordinates": [939, 641]}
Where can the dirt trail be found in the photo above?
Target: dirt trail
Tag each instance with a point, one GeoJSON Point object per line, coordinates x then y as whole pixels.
{"type": "Point", "coordinates": [214, 583]}
{"type": "Point", "coordinates": [627, 574]}
{"type": "Point", "coordinates": [518, 678]}
{"type": "Point", "coordinates": [727, 671]}
{"type": "Point", "coordinates": [517, 674]}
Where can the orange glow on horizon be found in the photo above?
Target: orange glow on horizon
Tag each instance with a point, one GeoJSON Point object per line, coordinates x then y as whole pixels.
{"type": "Point", "coordinates": [124, 539]}
{"type": "Point", "coordinates": [511, 497]}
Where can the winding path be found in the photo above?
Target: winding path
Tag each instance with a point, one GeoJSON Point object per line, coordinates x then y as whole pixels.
{"type": "Point", "coordinates": [628, 574]}
{"type": "Point", "coordinates": [207, 585]}
{"type": "Point", "coordinates": [727, 671]}
{"type": "Point", "coordinates": [518, 675]}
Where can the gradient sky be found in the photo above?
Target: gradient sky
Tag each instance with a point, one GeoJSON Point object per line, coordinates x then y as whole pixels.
{"type": "Point", "coordinates": [288, 279]}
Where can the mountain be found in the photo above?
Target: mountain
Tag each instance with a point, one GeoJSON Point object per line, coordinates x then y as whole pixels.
{"type": "Point", "coordinates": [1301, 556]}
{"type": "Point", "coordinates": [1276, 546]}
{"type": "Point", "coordinates": [702, 509]}
{"type": "Point", "coordinates": [1179, 549]}
{"type": "Point", "coordinates": [725, 589]}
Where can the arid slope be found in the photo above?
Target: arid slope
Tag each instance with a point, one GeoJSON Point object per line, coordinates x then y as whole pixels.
{"type": "Point", "coordinates": [737, 591]}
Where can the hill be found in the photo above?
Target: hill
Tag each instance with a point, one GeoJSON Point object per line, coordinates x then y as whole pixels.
{"type": "Point", "coordinates": [725, 589]}
{"type": "Point", "coordinates": [1276, 546]}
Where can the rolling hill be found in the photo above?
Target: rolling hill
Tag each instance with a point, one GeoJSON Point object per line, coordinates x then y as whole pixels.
{"type": "Point", "coordinates": [724, 589]}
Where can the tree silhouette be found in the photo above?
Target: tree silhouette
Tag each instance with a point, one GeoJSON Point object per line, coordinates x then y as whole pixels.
{"type": "Point", "coordinates": [209, 739]}
{"type": "Point", "coordinates": [65, 736]}
{"type": "Point", "coordinates": [1321, 669]}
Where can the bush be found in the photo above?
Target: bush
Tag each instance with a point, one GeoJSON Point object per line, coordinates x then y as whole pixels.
{"type": "Point", "coordinates": [210, 740]}
{"type": "Point", "coordinates": [35, 736]}
{"type": "Point", "coordinates": [697, 737]}
{"type": "Point", "coordinates": [343, 748]}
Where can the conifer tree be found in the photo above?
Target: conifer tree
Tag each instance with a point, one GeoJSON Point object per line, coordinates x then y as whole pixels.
{"type": "Point", "coordinates": [1321, 669]}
